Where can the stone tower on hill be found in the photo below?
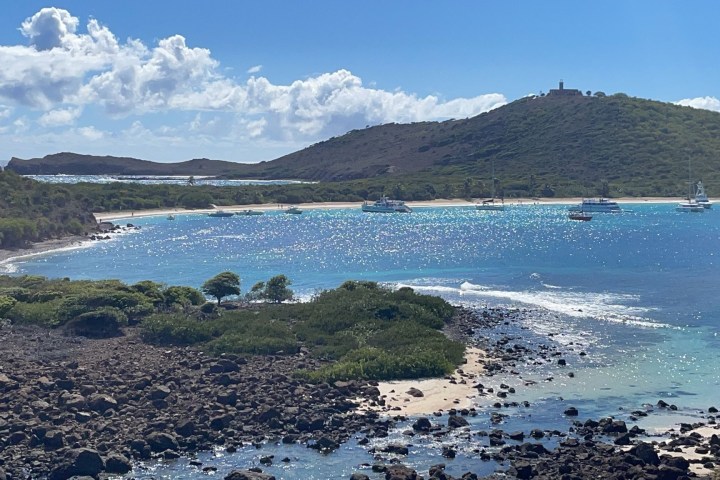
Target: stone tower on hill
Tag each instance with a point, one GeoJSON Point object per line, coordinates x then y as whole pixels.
{"type": "Point", "coordinates": [564, 92]}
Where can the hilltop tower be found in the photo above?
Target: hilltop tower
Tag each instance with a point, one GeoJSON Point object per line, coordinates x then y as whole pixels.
{"type": "Point", "coordinates": [561, 91]}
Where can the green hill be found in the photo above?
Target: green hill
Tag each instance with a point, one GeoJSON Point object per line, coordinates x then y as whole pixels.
{"type": "Point", "coordinates": [539, 146]}
{"type": "Point", "coordinates": [575, 144]}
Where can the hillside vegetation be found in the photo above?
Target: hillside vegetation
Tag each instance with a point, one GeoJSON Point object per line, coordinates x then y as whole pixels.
{"type": "Point", "coordinates": [539, 146]}
{"type": "Point", "coordinates": [32, 211]}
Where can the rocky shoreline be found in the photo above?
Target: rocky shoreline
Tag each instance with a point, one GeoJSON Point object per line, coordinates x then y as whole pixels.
{"type": "Point", "coordinates": [72, 406]}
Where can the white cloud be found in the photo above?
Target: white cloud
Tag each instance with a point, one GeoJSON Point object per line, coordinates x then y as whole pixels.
{"type": "Point", "coordinates": [90, 133]}
{"type": "Point", "coordinates": [5, 112]}
{"type": "Point", "coordinates": [706, 103]}
{"type": "Point", "coordinates": [64, 70]}
{"type": "Point", "coordinates": [55, 118]}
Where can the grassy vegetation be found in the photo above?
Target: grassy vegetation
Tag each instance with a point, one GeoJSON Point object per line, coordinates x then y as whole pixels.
{"type": "Point", "coordinates": [32, 211]}
{"type": "Point", "coordinates": [368, 331]}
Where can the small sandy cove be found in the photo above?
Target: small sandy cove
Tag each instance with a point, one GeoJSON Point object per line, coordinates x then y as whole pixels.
{"type": "Point", "coordinates": [438, 394]}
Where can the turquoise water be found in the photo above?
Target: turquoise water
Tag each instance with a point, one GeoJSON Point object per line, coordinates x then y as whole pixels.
{"type": "Point", "coordinates": [636, 291]}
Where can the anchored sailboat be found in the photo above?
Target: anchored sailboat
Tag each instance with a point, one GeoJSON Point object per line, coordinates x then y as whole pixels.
{"type": "Point", "coordinates": [489, 204]}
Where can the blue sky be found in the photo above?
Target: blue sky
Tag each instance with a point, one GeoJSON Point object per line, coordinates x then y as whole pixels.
{"type": "Point", "coordinates": [252, 80]}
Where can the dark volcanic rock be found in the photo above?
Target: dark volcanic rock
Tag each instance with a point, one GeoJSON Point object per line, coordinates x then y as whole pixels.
{"type": "Point", "coordinates": [83, 461]}
{"type": "Point", "coordinates": [248, 475]}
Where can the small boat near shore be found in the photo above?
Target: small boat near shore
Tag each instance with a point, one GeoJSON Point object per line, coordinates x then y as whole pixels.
{"type": "Point", "coordinates": [293, 210]}
{"type": "Point", "coordinates": [701, 197]}
{"type": "Point", "coordinates": [385, 205]}
{"type": "Point", "coordinates": [218, 212]}
{"type": "Point", "coordinates": [580, 216]}
{"type": "Point", "coordinates": [691, 205]}
{"type": "Point", "coordinates": [490, 205]}
{"type": "Point", "coordinates": [250, 212]}
{"type": "Point", "coordinates": [171, 216]}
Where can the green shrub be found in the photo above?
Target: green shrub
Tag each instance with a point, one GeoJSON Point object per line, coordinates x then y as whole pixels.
{"type": "Point", "coordinates": [174, 329]}
{"type": "Point", "coordinates": [182, 296]}
{"type": "Point", "coordinates": [42, 314]}
{"type": "Point", "coordinates": [377, 364]}
{"type": "Point", "coordinates": [259, 345]}
{"type": "Point", "coordinates": [6, 304]}
{"type": "Point", "coordinates": [18, 293]}
{"type": "Point", "coordinates": [102, 323]}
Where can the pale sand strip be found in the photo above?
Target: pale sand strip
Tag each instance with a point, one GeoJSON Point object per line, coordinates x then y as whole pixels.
{"type": "Point", "coordinates": [266, 207]}
{"type": "Point", "coordinates": [688, 452]}
{"type": "Point", "coordinates": [439, 394]}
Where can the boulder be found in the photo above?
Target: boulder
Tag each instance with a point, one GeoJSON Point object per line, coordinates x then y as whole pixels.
{"type": "Point", "coordinates": [160, 441]}
{"type": "Point", "coordinates": [248, 475]}
{"type": "Point", "coordinates": [117, 463]}
{"type": "Point", "coordinates": [414, 392]}
{"type": "Point", "coordinates": [359, 476]}
{"type": "Point", "coordinates": [455, 421]}
{"type": "Point", "coordinates": [100, 402]}
{"type": "Point", "coordinates": [81, 461]}
{"type": "Point", "coordinates": [646, 453]}
{"type": "Point", "coordinates": [400, 472]}
{"type": "Point", "coordinates": [422, 425]}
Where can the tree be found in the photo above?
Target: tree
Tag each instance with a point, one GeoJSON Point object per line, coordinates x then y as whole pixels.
{"type": "Point", "coordinates": [222, 285]}
{"type": "Point", "coordinates": [275, 290]}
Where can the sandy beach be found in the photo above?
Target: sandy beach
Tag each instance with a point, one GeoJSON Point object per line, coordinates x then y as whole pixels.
{"type": "Point", "coordinates": [268, 207]}
{"type": "Point", "coordinates": [43, 247]}
{"type": "Point", "coordinates": [438, 394]}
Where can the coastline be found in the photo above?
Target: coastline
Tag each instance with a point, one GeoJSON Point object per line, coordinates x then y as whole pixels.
{"type": "Point", "coordinates": [269, 207]}
{"type": "Point", "coordinates": [65, 243]}
{"type": "Point", "coordinates": [455, 391]}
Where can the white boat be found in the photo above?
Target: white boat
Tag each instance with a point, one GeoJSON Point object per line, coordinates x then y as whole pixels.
{"type": "Point", "coordinates": [250, 212]}
{"type": "Point", "coordinates": [385, 205]}
{"type": "Point", "coordinates": [597, 205]}
{"type": "Point", "coordinates": [219, 212]}
{"type": "Point", "coordinates": [691, 206]}
{"type": "Point", "coordinates": [490, 204]}
{"type": "Point", "coordinates": [293, 210]}
{"type": "Point", "coordinates": [700, 196]}
{"type": "Point", "coordinates": [171, 216]}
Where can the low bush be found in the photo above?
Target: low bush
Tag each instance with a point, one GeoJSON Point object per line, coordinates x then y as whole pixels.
{"type": "Point", "coordinates": [42, 314]}
{"type": "Point", "coordinates": [174, 329]}
{"type": "Point", "coordinates": [102, 323]}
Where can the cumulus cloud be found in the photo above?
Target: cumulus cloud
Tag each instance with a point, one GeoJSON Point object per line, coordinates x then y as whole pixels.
{"type": "Point", "coordinates": [62, 70]}
{"type": "Point", "coordinates": [55, 118]}
{"type": "Point", "coordinates": [706, 103]}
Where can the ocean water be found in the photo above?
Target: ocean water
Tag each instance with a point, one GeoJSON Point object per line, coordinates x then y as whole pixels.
{"type": "Point", "coordinates": [635, 292]}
